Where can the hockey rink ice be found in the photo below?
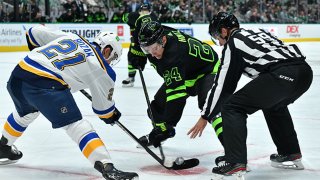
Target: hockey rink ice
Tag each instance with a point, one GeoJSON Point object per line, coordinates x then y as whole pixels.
{"type": "Point", "coordinates": [51, 155]}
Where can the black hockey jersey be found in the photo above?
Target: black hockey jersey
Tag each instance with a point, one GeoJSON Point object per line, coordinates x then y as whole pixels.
{"type": "Point", "coordinates": [184, 61]}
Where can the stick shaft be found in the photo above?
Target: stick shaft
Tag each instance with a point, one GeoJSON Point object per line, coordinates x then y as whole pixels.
{"type": "Point", "coordinates": [149, 107]}
{"type": "Point", "coordinates": [85, 93]}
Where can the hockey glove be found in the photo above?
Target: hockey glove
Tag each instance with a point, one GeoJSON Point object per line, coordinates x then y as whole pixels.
{"type": "Point", "coordinates": [115, 117]}
{"type": "Point", "coordinates": [138, 63]}
{"type": "Point", "coordinates": [161, 132]}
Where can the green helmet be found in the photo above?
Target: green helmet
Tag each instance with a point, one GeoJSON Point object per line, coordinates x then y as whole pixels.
{"type": "Point", "coordinates": [150, 33]}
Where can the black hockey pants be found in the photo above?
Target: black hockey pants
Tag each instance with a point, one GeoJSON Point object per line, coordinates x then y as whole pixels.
{"type": "Point", "coordinates": [200, 89]}
{"type": "Point", "coordinates": [270, 92]}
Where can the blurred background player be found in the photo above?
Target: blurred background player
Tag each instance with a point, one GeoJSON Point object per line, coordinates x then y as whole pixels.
{"type": "Point", "coordinates": [50, 73]}
{"type": "Point", "coordinates": [136, 58]}
{"type": "Point", "coordinates": [188, 67]}
{"type": "Point", "coordinates": [280, 75]}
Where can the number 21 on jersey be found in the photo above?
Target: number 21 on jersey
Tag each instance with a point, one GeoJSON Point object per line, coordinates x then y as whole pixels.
{"type": "Point", "coordinates": [65, 47]}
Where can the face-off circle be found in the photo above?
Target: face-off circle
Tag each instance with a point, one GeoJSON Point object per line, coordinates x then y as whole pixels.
{"type": "Point", "coordinates": [157, 169]}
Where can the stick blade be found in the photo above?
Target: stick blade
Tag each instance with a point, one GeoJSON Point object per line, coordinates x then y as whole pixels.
{"type": "Point", "coordinates": [187, 164]}
{"type": "Point", "coordinates": [7, 161]}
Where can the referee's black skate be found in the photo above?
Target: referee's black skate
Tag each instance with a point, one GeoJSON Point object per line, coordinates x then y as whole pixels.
{"type": "Point", "coordinates": [230, 169]}
{"type": "Point", "coordinates": [291, 161]}
{"type": "Point", "coordinates": [220, 160]}
{"type": "Point", "coordinates": [8, 154]}
{"type": "Point", "coordinates": [109, 172]}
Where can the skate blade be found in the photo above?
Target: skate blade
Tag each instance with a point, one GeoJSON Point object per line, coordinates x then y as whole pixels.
{"type": "Point", "coordinates": [127, 85]}
{"type": "Point", "coordinates": [217, 177]}
{"type": "Point", "coordinates": [7, 161]}
{"type": "Point", "coordinates": [248, 169]}
{"type": "Point", "coordinates": [295, 165]}
{"type": "Point", "coordinates": [136, 178]}
{"type": "Point", "coordinates": [240, 175]}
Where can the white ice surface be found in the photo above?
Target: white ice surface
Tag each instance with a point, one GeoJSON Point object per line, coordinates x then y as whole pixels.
{"type": "Point", "coordinates": [50, 154]}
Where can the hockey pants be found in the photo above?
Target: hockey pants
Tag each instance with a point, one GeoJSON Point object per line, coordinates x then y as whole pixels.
{"type": "Point", "coordinates": [271, 93]}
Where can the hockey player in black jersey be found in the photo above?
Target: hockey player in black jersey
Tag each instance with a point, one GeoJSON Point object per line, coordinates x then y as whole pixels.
{"type": "Point", "coordinates": [188, 67]}
{"type": "Point", "coordinates": [280, 75]}
{"type": "Point", "coordinates": [136, 57]}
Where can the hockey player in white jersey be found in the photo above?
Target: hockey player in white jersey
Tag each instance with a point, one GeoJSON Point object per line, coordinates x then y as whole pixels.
{"type": "Point", "coordinates": [42, 82]}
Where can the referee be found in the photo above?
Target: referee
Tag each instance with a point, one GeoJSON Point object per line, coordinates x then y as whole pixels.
{"type": "Point", "coordinates": [279, 74]}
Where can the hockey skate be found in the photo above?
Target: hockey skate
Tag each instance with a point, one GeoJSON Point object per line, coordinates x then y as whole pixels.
{"type": "Point", "coordinates": [220, 160]}
{"type": "Point", "coordinates": [292, 161]}
{"type": "Point", "coordinates": [227, 169]}
{"type": "Point", "coordinates": [109, 172]}
{"type": "Point", "coordinates": [8, 154]}
{"type": "Point", "coordinates": [129, 82]}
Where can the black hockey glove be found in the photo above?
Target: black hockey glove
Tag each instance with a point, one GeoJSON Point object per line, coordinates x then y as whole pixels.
{"type": "Point", "coordinates": [115, 117]}
{"type": "Point", "coordinates": [138, 63]}
{"type": "Point", "coordinates": [161, 132]}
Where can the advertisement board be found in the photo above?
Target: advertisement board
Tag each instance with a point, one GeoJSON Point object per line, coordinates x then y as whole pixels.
{"type": "Point", "coordinates": [12, 36]}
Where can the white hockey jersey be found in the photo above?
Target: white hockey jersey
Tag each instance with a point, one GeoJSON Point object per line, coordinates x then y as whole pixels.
{"type": "Point", "coordinates": [72, 61]}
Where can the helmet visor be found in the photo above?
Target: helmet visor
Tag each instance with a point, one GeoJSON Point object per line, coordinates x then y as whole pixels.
{"type": "Point", "coordinates": [215, 40]}
{"type": "Point", "coordinates": [113, 60]}
{"type": "Point", "coordinates": [152, 48]}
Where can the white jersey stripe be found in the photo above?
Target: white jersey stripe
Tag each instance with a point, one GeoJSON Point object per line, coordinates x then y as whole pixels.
{"type": "Point", "coordinates": [220, 83]}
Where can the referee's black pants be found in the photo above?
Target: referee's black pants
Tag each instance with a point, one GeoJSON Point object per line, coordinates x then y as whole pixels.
{"type": "Point", "coordinates": [270, 92]}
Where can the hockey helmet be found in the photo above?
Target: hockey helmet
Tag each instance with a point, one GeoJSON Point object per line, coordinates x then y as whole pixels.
{"type": "Point", "coordinates": [150, 33]}
{"type": "Point", "coordinates": [145, 7]}
{"type": "Point", "coordinates": [222, 20]}
{"type": "Point", "coordinates": [109, 39]}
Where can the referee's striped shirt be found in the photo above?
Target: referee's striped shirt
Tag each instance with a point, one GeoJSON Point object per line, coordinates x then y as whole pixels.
{"type": "Point", "coordinates": [248, 52]}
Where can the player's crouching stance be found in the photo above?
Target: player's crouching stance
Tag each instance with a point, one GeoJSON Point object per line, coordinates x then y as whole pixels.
{"type": "Point", "coordinates": [43, 82]}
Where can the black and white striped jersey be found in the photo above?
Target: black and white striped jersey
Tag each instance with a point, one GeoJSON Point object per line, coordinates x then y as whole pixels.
{"type": "Point", "coordinates": [248, 52]}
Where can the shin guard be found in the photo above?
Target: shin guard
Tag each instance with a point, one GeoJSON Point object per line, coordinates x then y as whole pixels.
{"type": "Point", "coordinates": [88, 140]}
{"type": "Point", "coordinates": [16, 125]}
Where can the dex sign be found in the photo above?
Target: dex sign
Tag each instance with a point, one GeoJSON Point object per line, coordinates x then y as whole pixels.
{"type": "Point", "coordinates": [292, 29]}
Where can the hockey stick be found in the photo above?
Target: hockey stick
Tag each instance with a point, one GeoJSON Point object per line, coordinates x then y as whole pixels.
{"type": "Point", "coordinates": [149, 107]}
{"type": "Point", "coordinates": [190, 162]}
{"type": "Point", "coordinates": [174, 165]}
